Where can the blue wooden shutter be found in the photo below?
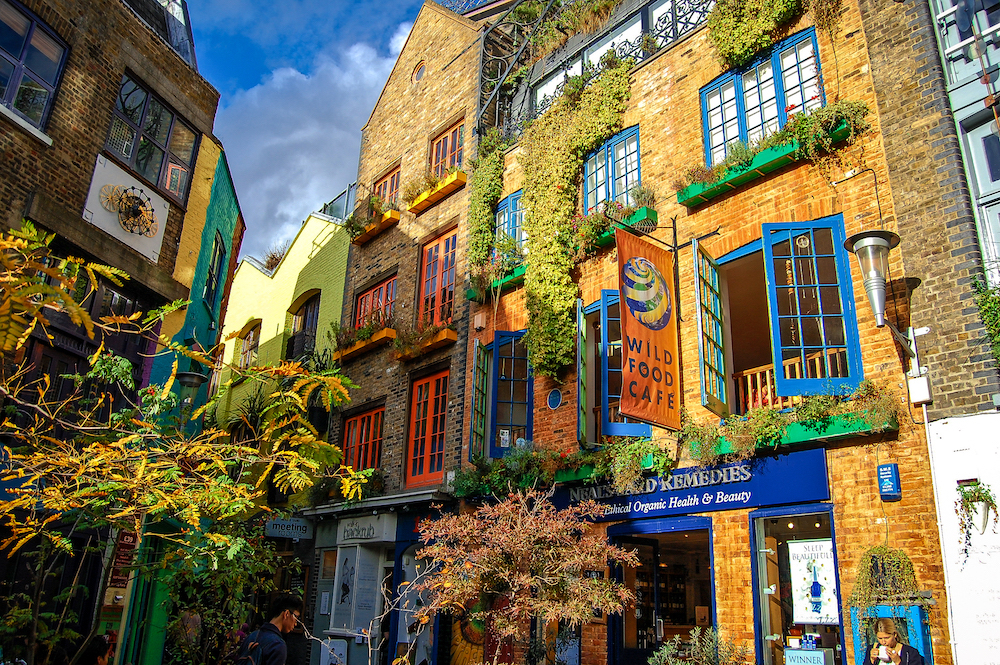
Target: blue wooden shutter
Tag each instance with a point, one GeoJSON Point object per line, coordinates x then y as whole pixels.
{"type": "Point", "coordinates": [711, 342]}
{"type": "Point", "coordinates": [581, 372]}
{"type": "Point", "coordinates": [613, 424]}
{"type": "Point", "coordinates": [814, 329]}
{"type": "Point", "coordinates": [480, 401]}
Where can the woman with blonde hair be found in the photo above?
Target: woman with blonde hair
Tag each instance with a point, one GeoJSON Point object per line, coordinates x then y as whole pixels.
{"type": "Point", "coordinates": [888, 648]}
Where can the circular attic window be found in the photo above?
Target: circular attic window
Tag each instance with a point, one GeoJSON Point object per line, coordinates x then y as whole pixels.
{"type": "Point", "coordinates": [419, 71]}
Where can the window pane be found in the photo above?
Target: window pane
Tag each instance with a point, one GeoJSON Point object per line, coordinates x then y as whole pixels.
{"type": "Point", "coordinates": [833, 328]}
{"type": "Point", "coordinates": [148, 160]}
{"type": "Point", "coordinates": [786, 302]}
{"type": "Point", "coordinates": [177, 177]}
{"type": "Point", "coordinates": [44, 55]}
{"type": "Point", "coordinates": [13, 29]}
{"type": "Point", "coordinates": [6, 70]}
{"type": "Point", "coordinates": [122, 138]}
{"type": "Point", "coordinates": [808, 301]}
{"type": "Point", "coordinates": [157, 125]}
{"type": "Point", "coordinates": [131, 99]}
{"type": "Point", "coordinates": [991, 147]}
{"type": "Point", "coordinates": [30, 100]}
{"type": "Point", "coordinates": [182, 142]}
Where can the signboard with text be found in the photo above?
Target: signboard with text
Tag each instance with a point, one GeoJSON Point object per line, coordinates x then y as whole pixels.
{"type": "Point", "coordinates": [814, 582]}
{"type": "Point", "coordinates": [649, 332]}
{"type": "Point", "coordinates": [767, 481]}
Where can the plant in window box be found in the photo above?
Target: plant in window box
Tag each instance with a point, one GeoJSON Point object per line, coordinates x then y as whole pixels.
{"type": "Point", "coordinates": [624, 462]}
{"type": "Point", "coordinates": [410, 340]}
{"type": "Point", "coordinates": [973, 506]}
{"type": "Point", "coordinates": [760, 426]}
{"type": "Point", "coordinates": [414, 188]}
{"type": "Point", "coordinates": [507, 256]}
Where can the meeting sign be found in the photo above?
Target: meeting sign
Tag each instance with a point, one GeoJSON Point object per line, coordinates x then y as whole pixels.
{"type": "Point", "coordinates": [793, 478]}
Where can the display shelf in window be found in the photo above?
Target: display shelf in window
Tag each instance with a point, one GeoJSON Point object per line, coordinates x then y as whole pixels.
{"type": "Point", "coordinates": [448, 185]}
{"type": "Point", "coordinates": [388, 219]}
{"type": "Point", "coordinates": [379, 338]}
{"type": "Point", "coordinates": [763, 163]}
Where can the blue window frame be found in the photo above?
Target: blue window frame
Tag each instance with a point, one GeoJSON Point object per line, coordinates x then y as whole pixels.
{"type": "Point", "coordinates": [512, 396]}
{"type": "Point", "coordinates": [711, 337]}
{"type": "Point", "coordinates": [510, 219]}
{"type": "Point", "coordinates": [612, 170]}
{"type": "Point", "coordinates": [481, 366]}
{"type": "Point", "coordinates": [750, 103]}
{"type": "Point", "coordinates": [814, 330]}
{"type": "Point", "coordinates": [31, 62]}
{"type": "Point", "coordinates": [599, 372]}
{"type": "Point", "coordinates": [502, 396]}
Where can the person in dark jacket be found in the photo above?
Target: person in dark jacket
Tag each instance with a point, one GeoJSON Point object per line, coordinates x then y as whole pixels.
{"type": "Point", "coordinates": [266, 646]}
{"type": "Point", "coordinates": [896, 652]}
{"type": "Point", "coordinates": [98, 651]}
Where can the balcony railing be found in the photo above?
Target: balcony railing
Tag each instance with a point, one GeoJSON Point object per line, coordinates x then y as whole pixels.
{"type": "Point", "coordinates": [755, 388]}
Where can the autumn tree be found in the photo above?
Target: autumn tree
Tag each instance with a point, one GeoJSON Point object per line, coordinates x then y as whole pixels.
{"type": "Point", "coordinates": [519, 560]}
{"type": "Point", "coordinates": [109, 457]}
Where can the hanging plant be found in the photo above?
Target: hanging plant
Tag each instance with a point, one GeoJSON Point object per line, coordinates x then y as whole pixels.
{"type": "Point", "coordinates": [739, 29]}
{"type": "Point", "coordinates": [973, 506]}
{"type": "Point", "coordinates": [623, 462]}
{"type": "Point", "coordinates": [988, 302]}
{"type": "Point", "coordinates": [885, 576]}
{"type": "Point", "coordinates": [554, 147]}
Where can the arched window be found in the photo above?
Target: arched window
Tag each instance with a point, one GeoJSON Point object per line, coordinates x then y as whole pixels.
{"type": "Point", "coordinates": [249, 343]}
{"type": "Point", "coordinates": [305, 322]}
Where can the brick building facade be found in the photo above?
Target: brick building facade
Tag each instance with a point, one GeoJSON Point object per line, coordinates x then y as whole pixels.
{"type": "Point", "coordinates": [731, 566]}
{"type": "Point", "coordinates": [106, 140]}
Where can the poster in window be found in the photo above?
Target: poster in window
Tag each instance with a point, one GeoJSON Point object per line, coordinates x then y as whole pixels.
{"type": "Point", "coordinates": [649, 332]}
{"type": "Point", "coordinates": [343, 603]}
{"type": "Point", "coordinates": [814, 582]}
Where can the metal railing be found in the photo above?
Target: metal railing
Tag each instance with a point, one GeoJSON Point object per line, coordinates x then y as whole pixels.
{"type": "Point", "coordinates": [755, 388]}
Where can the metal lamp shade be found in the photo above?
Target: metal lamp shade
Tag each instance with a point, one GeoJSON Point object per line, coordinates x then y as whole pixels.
{"type": "Point", "coordinates": [872, 249]}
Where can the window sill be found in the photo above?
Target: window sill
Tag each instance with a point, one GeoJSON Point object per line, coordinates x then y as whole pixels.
{"type": "Point", "coordinates": [833, 428]}
{"type": "Point", "coordinates": [763, 163]}
{"type": "Point", "coordinates": [514, 278]}
{"type": "Point", "coordinates": [389, 219]}
{"type": "Point", "coordinates": [380, 338]}
{"type": "Point", "coordinates": [25, 125]}
{"type": "Point", "coordinates": [641, 215]}
{"type": "Point", "coordinates": [444, 189]}
{"type": "Point", "coordinates": [441, 339]}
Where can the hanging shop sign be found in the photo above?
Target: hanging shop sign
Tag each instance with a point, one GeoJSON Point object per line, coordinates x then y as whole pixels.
{"type": "Point", "coordinates": [649, 332]}
{"type": "Point", "coordinates": [814, 582]}
{"type": "Point", "coordinates": [767, 481]}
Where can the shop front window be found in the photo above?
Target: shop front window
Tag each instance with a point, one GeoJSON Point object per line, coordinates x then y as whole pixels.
{"type": "Point", "coordinates": [796, 585]}
{"type": "Point", "coordinates": [672, 587]}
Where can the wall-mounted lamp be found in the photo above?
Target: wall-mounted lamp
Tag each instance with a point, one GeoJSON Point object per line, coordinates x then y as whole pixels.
{"type": "Point", "coordinates": [872, 249]}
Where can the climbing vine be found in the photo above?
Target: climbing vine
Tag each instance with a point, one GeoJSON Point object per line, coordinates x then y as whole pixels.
{"type": "Point", "coordinates": [988, 302]}
{"type": "Point", "coordinates": [739, 29]}
{"type": "Point", "coordinates": [553, 151]}
{"type": "Point", "coordinates": [486, 187]}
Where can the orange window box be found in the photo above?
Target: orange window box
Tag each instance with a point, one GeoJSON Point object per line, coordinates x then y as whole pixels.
{"type": "Point", "coordinates": [388, 219]}
{"type": "Point", "coordinates": [380, 338]}
{"type": "Point", "coordinates": [449, 184]}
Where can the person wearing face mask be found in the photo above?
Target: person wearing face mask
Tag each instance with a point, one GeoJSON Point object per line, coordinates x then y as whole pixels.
{"type": "Point", "coordinates": [888, 648]}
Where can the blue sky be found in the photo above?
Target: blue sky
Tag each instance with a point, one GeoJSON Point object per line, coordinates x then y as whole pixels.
{"type": "Point", "coordinates": [298, 79]}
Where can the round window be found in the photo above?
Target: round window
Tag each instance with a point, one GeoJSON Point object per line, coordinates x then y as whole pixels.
{"type": "Point", "coordinates": [418, 73]}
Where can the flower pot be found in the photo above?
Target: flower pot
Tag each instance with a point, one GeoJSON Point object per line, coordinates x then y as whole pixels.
{"type": "Point", "coordinates": [981, 515]}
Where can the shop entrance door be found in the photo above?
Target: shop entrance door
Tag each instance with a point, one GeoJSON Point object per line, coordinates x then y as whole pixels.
{"type": "Point", "coordinates": [673, 592]}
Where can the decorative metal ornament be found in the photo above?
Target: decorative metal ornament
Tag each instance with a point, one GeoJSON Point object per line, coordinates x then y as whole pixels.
{"type": "Point", "coordinates": [110, 195]}
{"type": "Point", "coordinates": [134, 208]}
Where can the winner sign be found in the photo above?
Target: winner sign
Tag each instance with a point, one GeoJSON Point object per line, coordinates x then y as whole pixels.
{"type": "Point", "coordinates": [650, 379]}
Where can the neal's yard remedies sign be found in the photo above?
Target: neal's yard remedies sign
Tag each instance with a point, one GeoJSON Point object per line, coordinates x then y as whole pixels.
{"type": "Point", "coordinates": [814, 582]}
{"type": "Point", "coordinates": [793, 478]}
{"type": "Point", "coordinates": [649, 332]}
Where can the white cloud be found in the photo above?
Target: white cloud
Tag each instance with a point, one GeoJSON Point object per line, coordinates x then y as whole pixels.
{"type": "Point", "coordinates": [399, 38]}
{"type": "Point", "coordinates": [293, 140]}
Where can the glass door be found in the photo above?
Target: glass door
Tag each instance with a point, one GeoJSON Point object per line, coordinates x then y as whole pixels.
{"type": "Point", "coordinates": [673, 591]}
{"type": "Point", "coordinates": [797, 592]}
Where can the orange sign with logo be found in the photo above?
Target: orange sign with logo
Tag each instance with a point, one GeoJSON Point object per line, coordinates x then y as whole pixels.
{"type": "Point", "coordinates": [650, 366]}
